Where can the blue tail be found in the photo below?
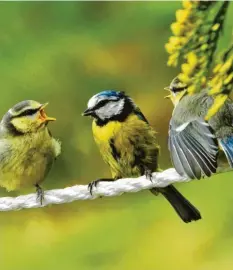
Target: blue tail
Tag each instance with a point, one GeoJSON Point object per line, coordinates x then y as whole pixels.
{"type": "Point", "coordinates": [227, 146]}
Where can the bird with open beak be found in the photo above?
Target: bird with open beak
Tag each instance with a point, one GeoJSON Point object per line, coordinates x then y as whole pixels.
{"type": "Point", "coordinates": [27, 148]}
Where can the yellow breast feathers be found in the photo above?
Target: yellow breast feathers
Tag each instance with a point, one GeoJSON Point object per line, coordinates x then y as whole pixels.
{"type": "Point", "coordinates": [122, 143]}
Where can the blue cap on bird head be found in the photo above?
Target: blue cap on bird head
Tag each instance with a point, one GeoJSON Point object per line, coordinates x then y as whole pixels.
{"type": "Point", "coordinates": [111, 93]}
{"type": "Point", "coordinates": [107, 104]}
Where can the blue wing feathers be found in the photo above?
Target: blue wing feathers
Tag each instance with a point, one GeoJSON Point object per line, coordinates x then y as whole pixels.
{"type": "Point", "coordinates": [227, 146]}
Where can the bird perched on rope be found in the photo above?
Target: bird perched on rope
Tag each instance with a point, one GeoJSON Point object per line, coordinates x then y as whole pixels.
{"type": "Point", "coordinates": [195, 143]}
{"type": "Point", "coordinates": [128, 145]}
{"type": "Point", "coordinates": [27, 148]}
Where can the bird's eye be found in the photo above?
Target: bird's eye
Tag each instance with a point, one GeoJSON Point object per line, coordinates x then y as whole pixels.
{"type": "Point", "coordinates": [101, 104]}
{"type": "Point", "coordinates": [176, 89]}
{"type": "Point", "coordinates": [28, 112]}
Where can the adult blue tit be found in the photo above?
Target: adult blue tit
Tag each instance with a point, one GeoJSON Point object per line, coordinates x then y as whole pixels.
{"type": "Point", "coordinates": [27, 148]}
{"type": "Point", "coordinates": [128, 145]}
{"type": "Point", "coordinates": [194, 143]}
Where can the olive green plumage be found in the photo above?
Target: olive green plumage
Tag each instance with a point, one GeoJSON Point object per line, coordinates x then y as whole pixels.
{"type": "Point", "coordinates": [128, 144]}
{"type": "Point", "coordinates": [27, 148]}
{"type": "Point", "coordinates": [127, 147]}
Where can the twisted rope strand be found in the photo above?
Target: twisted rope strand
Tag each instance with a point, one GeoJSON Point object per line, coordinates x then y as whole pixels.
{"type": "Point", "coordinates": [81, 192]}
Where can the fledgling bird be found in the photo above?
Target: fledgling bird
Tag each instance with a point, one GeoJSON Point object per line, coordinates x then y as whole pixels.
{"type": "Point", "coordinates": [27, 148]}
{"type": "Point", "coordinates": [128, 145]}
{"type": "Point", "coordinates": [195, 144]}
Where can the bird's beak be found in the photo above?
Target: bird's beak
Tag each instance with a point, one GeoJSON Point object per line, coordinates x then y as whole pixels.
{"type": "Point", "coordinates": [169, 96]}
{"type": "Point", "coordinates": [87, 112]}
{"type": "Point", "coordinates": [167, 88]}
{"type": "Point", "coordinates": [43, 116]}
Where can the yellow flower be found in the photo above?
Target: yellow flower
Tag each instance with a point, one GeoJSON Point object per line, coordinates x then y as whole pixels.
{"type": "Point", "coordinates": [177, 29]}
{"type": "Point", "coordinates": [203, 80]}
{"type": "Point", "coordinates": [215, 80]}
{"type": "Point", "coordinates": [218, 102]}
{"type": "Point", "coordinates": [170, 48]}
{"type": "Point", "coordinates": [192, 89]}
{"type": "Point", "coordinates": [216, 68]}
{"type": "Point", "coordinates": [175, 41]}
{"type": "Point", "coordinates": [215, 27]}
{"type": "Point", "coordinates": [228, 79]}
{"type": "Point", "coordinates": [173, 59]}
{"type": "Point", "coordinates": [216, 89]}
{"type": "Point", "coordinates": [184, 78]}
{"type": "Point", "coordinates": [187, 4]}
{"type": "Point", "coordinates": [182, 15]}
{"type": "Point", "coordinates": [187, 69]}
{"type": "Point", "coordinates": [192, 59]}
{"type": "Point", "coordinates": [225, 67]}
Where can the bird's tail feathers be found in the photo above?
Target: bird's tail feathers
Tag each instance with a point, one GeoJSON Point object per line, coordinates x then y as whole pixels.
{"type": "Point", "coordinates": [186, 211]}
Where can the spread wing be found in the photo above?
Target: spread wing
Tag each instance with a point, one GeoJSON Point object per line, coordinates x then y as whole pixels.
{"type": "Point", "coordinates": [193, 148]}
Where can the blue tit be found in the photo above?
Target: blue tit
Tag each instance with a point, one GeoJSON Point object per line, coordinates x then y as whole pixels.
{"type": "Point", "coordinates": [27, 148]}
{"type": "Point", "coordinates": [128, 145]}
{"type": "Point", "coordinates": [195, 144]}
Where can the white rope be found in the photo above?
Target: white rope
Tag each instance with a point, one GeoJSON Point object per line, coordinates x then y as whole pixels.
{"type": "Point", "coordinates": [81, 192]}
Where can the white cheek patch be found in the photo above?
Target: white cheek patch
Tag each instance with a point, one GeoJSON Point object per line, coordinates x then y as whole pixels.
{"type": "Point", "coordinates": [96, 99]}
{"type": "Point", "coordinates": [110, 109]}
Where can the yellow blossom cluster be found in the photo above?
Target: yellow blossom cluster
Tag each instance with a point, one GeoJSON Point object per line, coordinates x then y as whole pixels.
{"type": "Point", "coordinates": [182, 30]}
{"type": "Point", "coordinates": [193, 71]}
{"type": "Point", "coordinates": [195, 36]}
{"type": "Point", "coordinates": [221, 84]}
{"type": "Point", "coordinates": [222, 77]}
{"type": "Point", "coordinates": [218, 102]}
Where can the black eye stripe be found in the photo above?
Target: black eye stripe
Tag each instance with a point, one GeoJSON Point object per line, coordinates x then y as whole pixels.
{"type": "Point", "coordinates": [102, 103]}
{"type": "Point", "coordinates": [178, 89]}
{"type": "Point", "coordinates": [27, 112]}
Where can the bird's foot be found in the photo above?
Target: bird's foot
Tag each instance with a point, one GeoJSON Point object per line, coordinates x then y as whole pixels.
{"type": "Point", "coordinates": [40, 194]}
{"type": "Point", "coordinates": [95, 183]}
{"type": "Point", "coordinates": [148, 174]}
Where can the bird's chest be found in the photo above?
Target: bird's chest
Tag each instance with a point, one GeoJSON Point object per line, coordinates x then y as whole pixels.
{"type": "Point", "coordinates": [116, 142]}
{"type": "Point", "coordinates": [24, 162]}
{"type": "Point", "coordinates": [104, 135]}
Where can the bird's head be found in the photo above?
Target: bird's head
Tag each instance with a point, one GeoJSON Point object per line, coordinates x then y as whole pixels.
{"type": "Point", "coordinates": [109, 105]}
{"type": "Point", "coordinates": [26, 117]}
{"type": "Point", "coordinates": [177, 90]}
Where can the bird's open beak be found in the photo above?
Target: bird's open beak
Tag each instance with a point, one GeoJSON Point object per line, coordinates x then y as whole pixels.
{"type": "Point", "coordinates": [169, 96]}
{"type": "Point", "coordinates": [87, 112]}
{"type": "Point", "coordinates": [43, 116]}
{"type": "Point", "coordinates": [168, 89]}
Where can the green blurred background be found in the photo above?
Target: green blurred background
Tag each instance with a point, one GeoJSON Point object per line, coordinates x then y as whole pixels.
{"type": "Point", "coordinates": [64, 53]}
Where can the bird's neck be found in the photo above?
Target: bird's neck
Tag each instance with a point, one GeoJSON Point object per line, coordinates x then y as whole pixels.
{"type": "Point", "coordinates": [177, 97]}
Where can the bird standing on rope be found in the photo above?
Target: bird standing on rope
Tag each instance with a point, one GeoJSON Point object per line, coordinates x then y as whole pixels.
{"type": "Point", "coordinates": [27, 148]}
{"type": "Point", "coordinates": [195, 143]}
{"type": "Point", "coordinates": [128, 145]}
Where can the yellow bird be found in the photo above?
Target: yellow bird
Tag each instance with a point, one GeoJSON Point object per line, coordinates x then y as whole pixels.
{"type": "Point", "coordinates": [128, 145]}
{"type": "Point", "coordinates": [27, 148]}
